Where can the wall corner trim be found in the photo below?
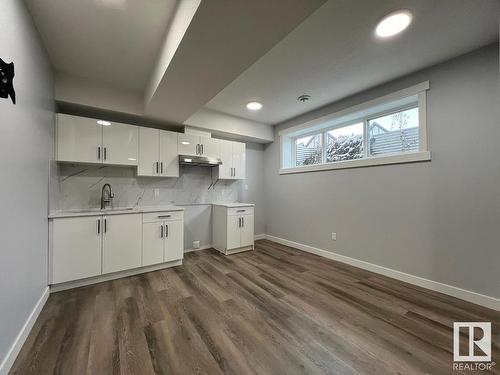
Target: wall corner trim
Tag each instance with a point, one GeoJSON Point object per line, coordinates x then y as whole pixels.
{"type": "Point", "coordinates": [18, 343]}
{"type": "Point", "coordinates": [469, 296]}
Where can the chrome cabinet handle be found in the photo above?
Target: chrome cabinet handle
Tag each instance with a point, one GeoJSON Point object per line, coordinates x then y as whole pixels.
{"type": "Point", "coordinates": [99, 153]}
{"type": "Point", "coordinates": [241, 211]}
{"type": "Point", "coordinates": [161, 231]}
{"type": "Point", "coordinates": [157, 167]}
{"type": "Point", "coordinates": [164, 216]}
{"type": "Point", "coordinates": [105, 153]}
{"type": "Point", "coordinates": [161, 167]}
{"type": "Point", "coordinates": [197, 149]}
{"type": "Point", "coordinates": [202, 148]}
{"type": "Point", "coordinates": [98, 226]}
{"type": "Point", "coordinates": [166, 230]}
{"type": "Point", "coordinates": [105, 225]}
{"type": "Point", "coordinates": [242, 221]}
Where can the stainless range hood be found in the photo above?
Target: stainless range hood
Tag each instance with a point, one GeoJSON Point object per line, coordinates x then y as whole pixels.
{"type": "Point", "coordinates": [200, 161]}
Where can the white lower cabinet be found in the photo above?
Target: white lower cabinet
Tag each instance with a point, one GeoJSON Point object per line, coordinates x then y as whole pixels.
{"type": "Point", "coordinates": [76, 248]}
{"type": "Point", "coordinates": [233, 228]}
{"type": "Point", "coordinates": [162, 237]}
{"type": "Point", "coordinates": [88, 246]}
{"type": "Point", "coordinates": [121, 242]}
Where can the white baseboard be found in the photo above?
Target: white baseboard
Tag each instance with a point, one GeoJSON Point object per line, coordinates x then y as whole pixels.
{"type": "Point", "coordinates": [261, 236]}
{"type": "Point", "coordinates": [467, 295]}
{"type": "Point", "coordinates": [14, 350]}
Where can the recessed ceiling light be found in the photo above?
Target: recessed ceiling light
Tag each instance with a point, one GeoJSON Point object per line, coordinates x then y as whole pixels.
{"type": "Point", "coordinates": [254, 106]}
{"type": "Point", "coordinates": [393, 23]}
{"type": "Point", "coordinates": [103, 123]}
{"type": "Point", "coordinates": [185, 143]}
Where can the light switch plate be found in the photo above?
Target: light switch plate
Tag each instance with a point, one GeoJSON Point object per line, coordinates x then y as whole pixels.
{"type": "Point", "coordinates": [334, 236]}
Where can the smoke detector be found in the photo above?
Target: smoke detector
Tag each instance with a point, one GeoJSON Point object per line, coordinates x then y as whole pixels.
{"type": "Point", "coordinates": [304, 98]}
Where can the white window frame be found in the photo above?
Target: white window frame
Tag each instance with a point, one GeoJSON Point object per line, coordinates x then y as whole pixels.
{"type": "Point", "coordinates": [419, 92]}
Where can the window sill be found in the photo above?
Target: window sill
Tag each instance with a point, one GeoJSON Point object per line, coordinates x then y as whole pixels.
{"type": "Point", "coordinates": [368, 162]}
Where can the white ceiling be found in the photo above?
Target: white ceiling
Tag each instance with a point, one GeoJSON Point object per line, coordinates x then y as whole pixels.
{"type": "Point", "coordinates": [333, 53]}
{"type": "Point", "coordinates": [113, 42]}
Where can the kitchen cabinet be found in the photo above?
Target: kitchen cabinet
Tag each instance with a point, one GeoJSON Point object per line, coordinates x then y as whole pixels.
{"type": "Point", "coordinates": [233, 159]}
{"type": "Point", "coordinates": [87, 140]}
{"type": "Point", "coordinates": [163, 237]}
{"type": "Point", "coordinates": [191, 144]}
{"type": "Point", "coordinates": [83, 247]}
{"type": "Point", "coordinates": [75, 248]}
{"type": "Point", "coordinates": [121, 242]}
{"type": "Point", "coordinates": [158, 153]}
{"type": "Point", "coordinates": [233, 228]}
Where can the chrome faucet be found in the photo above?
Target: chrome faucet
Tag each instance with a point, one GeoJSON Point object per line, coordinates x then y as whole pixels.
{"type": "Point", "coordinates": [106, 195]}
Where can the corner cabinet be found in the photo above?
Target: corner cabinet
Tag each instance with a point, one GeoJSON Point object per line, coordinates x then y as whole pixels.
{"type": "Point", "coordinates": [158, 154]}
{"type": "Point", "coordinates": [87, 140]}
{"type": "Point", "coordinates": [86, 247]}
{"type": "Point", "coordinates": [233, 159]}
{"type": "Point", "coordinates": [233, 228]}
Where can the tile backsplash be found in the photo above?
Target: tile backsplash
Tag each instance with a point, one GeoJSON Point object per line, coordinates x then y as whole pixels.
{"type": "Point", "coordinates": [79, 187]}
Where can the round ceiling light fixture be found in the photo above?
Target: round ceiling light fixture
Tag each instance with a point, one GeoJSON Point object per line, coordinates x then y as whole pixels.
{"type": "Point", "coordinates": [254, 106]}
{"type": "Point", "coordinates": [393, 23]}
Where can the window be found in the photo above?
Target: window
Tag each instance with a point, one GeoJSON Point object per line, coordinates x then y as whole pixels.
{"type": "Point", "coordinates": [344, 143]}
{"type": "Point", "coordinates": [387, 130]}
{"type": "Point", "coordinates": [308, 150]}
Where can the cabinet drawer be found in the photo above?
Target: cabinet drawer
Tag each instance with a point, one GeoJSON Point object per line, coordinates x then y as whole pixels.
{"type": "Point", "coordinates": [240, 211]}
{"type": "Point", "coordinates": [152, 217]}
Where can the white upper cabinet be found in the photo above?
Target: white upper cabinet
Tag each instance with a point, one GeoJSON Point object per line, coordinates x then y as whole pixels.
{"type": "Point", "coordinates": [78, 139]}
{"type": "Point", "coordinates": [87, 140]}
{"type": "Point", "coordinates": [233, 159]}
{"type": "Point", "coordinates": [169, 155]}
{"type": "Point", "coordinates": [149, 145]}
{"type": "Point", "coordinates": [190, 144]}
{"type": "Point", "coordinates": [158, 155]}
{"type": "Point", "coordinates": [239, 160]}
{"type": "Point", "coordinates": [120, 143]}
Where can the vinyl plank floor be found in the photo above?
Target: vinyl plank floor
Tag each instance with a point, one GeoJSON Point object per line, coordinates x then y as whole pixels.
{"type": "Point", "coordinates": [275, 310]}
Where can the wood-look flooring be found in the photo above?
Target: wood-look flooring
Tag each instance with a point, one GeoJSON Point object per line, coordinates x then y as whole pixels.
{"type": "Point", "coordinates": [275, 310]}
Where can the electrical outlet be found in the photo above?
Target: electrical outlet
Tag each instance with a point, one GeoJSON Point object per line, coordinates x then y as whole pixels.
{"type": "Point", "coordinates": [196, 244]}
{"type": "Point", "coordinates": [334, 236]}
{"type": "Point", "coordinates": [245, 187]}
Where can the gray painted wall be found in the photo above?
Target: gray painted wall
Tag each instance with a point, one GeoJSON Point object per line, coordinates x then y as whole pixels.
{"type": "Point", "coordinates": [438, 220]}
{"type": "Point", "coordinates": [26, 143]}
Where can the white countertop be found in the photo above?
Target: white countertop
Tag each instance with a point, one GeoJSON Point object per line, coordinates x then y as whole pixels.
{"type": "Point", "coordinates": [234, 205]}
{"type": "Point", "coordinates": [114, 211]}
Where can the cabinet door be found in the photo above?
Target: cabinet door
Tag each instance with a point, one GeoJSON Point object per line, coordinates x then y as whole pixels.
{"type": "Point", "coordinates": [76, 248]}
{"type": "Point", "coordinates": [226, 155]}
{"type": "Point", "coordinates": [120, 144]}
{"type": "Point", "coordinates": [247, 232]}
{"type": "Point", "coordinates": [121, 242]}
{"type": "Point", "coordinates": [169, 157]}
{"type": "Point", "coordinates": [188, 144]}
{"type": "Point", "coordinates": [210, 147]}
{"type": "Point", "coordinates": [239, 162]}
{"type": "Point", "coordinates": [78, 139]}
{"type": "Point", "coordinates": [233, 232]}
{"type": "Point", "coordinates": [149, 153]}
{"type": "Point", "coordinates": [174, 240]}
{"type": "Point", "coordinates": [152, 243]}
